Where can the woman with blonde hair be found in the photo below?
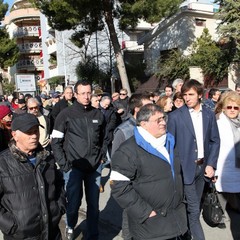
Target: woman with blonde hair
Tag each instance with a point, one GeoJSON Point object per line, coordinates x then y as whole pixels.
{"type": "Point", "coordinates": [228, 166]}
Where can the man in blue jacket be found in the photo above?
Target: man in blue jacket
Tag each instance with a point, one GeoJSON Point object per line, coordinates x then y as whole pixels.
{"type": "Point", "coordinates": [197, 141]}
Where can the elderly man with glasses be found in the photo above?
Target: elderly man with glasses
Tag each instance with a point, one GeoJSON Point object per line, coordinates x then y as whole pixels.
{"type": "Point", "coordinates": [33, 107]}
{"type": "Point", "coordinates": [146, 179]}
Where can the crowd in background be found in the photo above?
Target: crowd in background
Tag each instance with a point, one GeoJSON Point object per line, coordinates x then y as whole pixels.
{"type": "Point", "coordinates": [105, 121]}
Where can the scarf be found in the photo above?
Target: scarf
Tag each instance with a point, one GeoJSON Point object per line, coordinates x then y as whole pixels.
{"type": "Point", "coordinates": [235, 125]}
{"type": "Point", "coordinates": [157, 143]}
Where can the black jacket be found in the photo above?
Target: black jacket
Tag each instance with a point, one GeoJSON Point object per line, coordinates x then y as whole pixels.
{"type": "Point", "coordinates": [32, 197]}
{"type": "Point", "coordinates": [77, 137]}
{"type": "Point", "coordinates": [153, 184]}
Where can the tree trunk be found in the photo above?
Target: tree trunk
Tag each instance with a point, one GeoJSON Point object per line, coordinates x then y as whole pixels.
{"type": "Point", "coordinates": [117, 50]}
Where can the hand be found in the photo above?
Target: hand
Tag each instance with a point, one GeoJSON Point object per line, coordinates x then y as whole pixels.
{"type": "Point", "coordinates": [209, 172]}
{"type": "Point", "coordinates": [152, 214]}
{"type": "Point", "coordinates": [121, 110]}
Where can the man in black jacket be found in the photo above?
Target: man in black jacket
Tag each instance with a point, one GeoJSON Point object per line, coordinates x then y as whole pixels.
{"type": "Point", "coordinates": [146, 179]}
{"type": "Point", "coordinates": [32, 197]}
{"type": "Point", "coordinates": [77, 143]}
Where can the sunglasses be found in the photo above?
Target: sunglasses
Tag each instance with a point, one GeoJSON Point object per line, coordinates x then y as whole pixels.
{"type": "Point", "coordinates": [232, 107]}
{"type": "Point", "coordinates": [31, 108]}
{"type": "Point", "coordinates": [123, 94]}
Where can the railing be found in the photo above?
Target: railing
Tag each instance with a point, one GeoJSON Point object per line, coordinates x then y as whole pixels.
{"type": "Point", "coordinates": [29, 63]}
{"type": "Point", "coordinates": [26, 31]}
{"type": "Point", "coordinates": [30, 47]}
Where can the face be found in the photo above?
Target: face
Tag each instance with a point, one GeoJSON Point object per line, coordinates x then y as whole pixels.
{"type": "Point", "coordinates": [216, 96]}
{"type": "Point", "coordinates": [95, 102]}
{"type": "Point", "coordinates": [192, 99]}
{"type": "Point", "coordinates": [105, 104]}
{"type": "Point", "coordinates": [7, 120]}
{"type": "Point", "coordinates": [68, 94]}
{"type": "Point", "coordinates": [21, 105]}
{"type": "Point", "coordinates": [122, 94]}
{"type": "Point", "coordinates": [55, 100]}
{"type": "Point", "coordinates": [28, 141]}
{"type": "Point", "coordinates": [168, 91]}
{"type": "Point", "coordinates": [83, 94]}
{"type": "Point", "coordinates": [115, 97]}
{"type": "Point", "coordinates": [156, 125]}
{"type": "Point", "coordinates": [168, 106]}
{"type": "Point", "coordinates": [178, 102]}
{"type": "Point", "coordinates": [178, 87]}
{"type": "Point", "coordinates": [231, 109]}
{"type": "Point", "coordinates": [33, 108]}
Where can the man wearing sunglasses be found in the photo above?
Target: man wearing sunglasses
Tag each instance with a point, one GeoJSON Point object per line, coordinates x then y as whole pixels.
{"type": "Point", "coordinates": [121, 104]}
{"type": "Point", "coordinates": [33, 107]}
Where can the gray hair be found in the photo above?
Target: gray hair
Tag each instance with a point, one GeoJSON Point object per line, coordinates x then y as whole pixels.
{"type": "Point", "coordinates": [33, 100]}
{"type": "Point", "coordinates": [176, 82]}
{"type": "Point", "coordinates": [146, 112]}
{"type": "Point", "coordinates": [105, 97]}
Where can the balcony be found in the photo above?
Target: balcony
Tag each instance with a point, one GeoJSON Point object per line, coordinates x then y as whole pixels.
{"type": "Point", "coordinates": [30, 47]}
{"type": "Point", "coordinates": [26, 31]}
{"type": "Point", "coordinates": [51, 45]}
{"type": "Point", "coordinates": [30, 63]}
{"type": "Point", "coordinates": [132, 46]}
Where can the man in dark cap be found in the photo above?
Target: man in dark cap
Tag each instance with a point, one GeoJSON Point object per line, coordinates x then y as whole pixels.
{"type": "Point", "coordinates": [31, 188]}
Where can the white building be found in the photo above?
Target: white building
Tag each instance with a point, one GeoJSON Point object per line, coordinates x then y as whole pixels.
{"type": "Point", "coordinates": [178, 32]}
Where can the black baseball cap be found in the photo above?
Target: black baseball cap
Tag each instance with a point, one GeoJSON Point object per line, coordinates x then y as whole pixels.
{"type": "Point", "coordinates": [24, 122]}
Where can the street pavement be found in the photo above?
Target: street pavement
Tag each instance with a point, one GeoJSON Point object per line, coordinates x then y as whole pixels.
{"type": "Point", "coordinates": [110, 219]}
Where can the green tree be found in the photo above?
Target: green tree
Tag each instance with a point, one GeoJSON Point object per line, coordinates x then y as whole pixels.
{"type": "Point", "coordinates": [176, 65]}
{"type": "Point", "coordinates": [229, 27]}
{"type": "Point", "coordinates": [212, 58]}
{"type": "Point", "coordinates": [9, 52]}
{"type": "Point", "coordinates": [90, 16]}
{"type": "Point", "coordinates": [88, 70]}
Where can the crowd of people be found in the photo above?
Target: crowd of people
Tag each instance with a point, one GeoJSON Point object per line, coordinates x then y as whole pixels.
{"type": "Point", "coordinates": [161, 149]}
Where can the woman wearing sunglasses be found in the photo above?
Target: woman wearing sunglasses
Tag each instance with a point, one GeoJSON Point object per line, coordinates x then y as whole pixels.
{"type": "Point", "coordinates": [228, 166]}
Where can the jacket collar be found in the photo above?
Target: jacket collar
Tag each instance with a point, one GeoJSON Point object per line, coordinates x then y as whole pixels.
{"type": "Point", "coordinates": [41, 153]}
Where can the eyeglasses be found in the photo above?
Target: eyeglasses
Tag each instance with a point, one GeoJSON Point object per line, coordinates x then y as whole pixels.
{"type": "Point", "coordinates": [232, 107]}
{"type": "Point", "coordinates": [31, 108]}
{"type": "Point", "coordinates": [122, 94]}
{"type": "Point", "coordinates": [158, 120]}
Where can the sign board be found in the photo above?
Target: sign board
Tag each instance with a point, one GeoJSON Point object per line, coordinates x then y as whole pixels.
{"type": "Point", "coordinates": [25, 82]}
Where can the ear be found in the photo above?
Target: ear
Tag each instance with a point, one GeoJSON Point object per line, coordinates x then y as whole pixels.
{"type": "Point", "coordinates": [14, 134]}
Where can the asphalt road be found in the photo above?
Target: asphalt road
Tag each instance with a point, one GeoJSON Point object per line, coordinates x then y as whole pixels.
{"type": "Point", "coordinates": [110, 219]}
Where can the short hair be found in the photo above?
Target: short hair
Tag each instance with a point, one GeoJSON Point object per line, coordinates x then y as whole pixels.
{"type": "Point", "coordinates": [136, 101]}
{"type": "Point", "coordinates": [124, 90]}
{"type": "Point", "coordinates": [176, 82]}
{"type": "Point", "coordinates": [226, 97]}
{"type": "Point", "coordinates": [194, 84]}
{"type": "Point", "coordinates": [168, 86]}
{"type": "Point", "coordinates": [33, 100]}
{"type": "Point", "coordinates": [68, 87]}
{"type": "Point", "coordinates": [146, 112]}
{"type": "Point", "coordinates": [83, 83]}
{"type": "Point", "coordinates": [105, 97]}
{"type": "Point", "coordinates": [177, 95]}
{"type": "Point", "coordinates": [162, 101]}
{"type": "Point", "coordinates": [212, 92]}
